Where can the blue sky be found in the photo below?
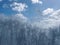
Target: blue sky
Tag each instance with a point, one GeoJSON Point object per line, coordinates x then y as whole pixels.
{"type": "Point", "coordinates": [32, 10]}
{"type": "Point", "coordinates": [41, 12]}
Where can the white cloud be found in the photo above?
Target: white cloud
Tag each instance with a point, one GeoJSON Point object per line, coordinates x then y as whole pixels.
{"type": "Point", "coordinates": [18, 6]}
{"type": "Point", "coordinates": [48, 11]}
{"type": "Point", "coordinates": [56, 14]}
{"type": "Point", "coordinates": [21, 17]}
{"type": "Point", "coordinates": [51, 21]}
{"type": "Point", "coordinates": [36, 1]}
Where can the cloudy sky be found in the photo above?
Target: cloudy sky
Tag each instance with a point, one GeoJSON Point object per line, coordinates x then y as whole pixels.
{"type": "Point", "coordinates": [43, 12]}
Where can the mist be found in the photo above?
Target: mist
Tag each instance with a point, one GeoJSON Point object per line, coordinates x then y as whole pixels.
{"type": "Point", "coordinates": [15, 30]}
